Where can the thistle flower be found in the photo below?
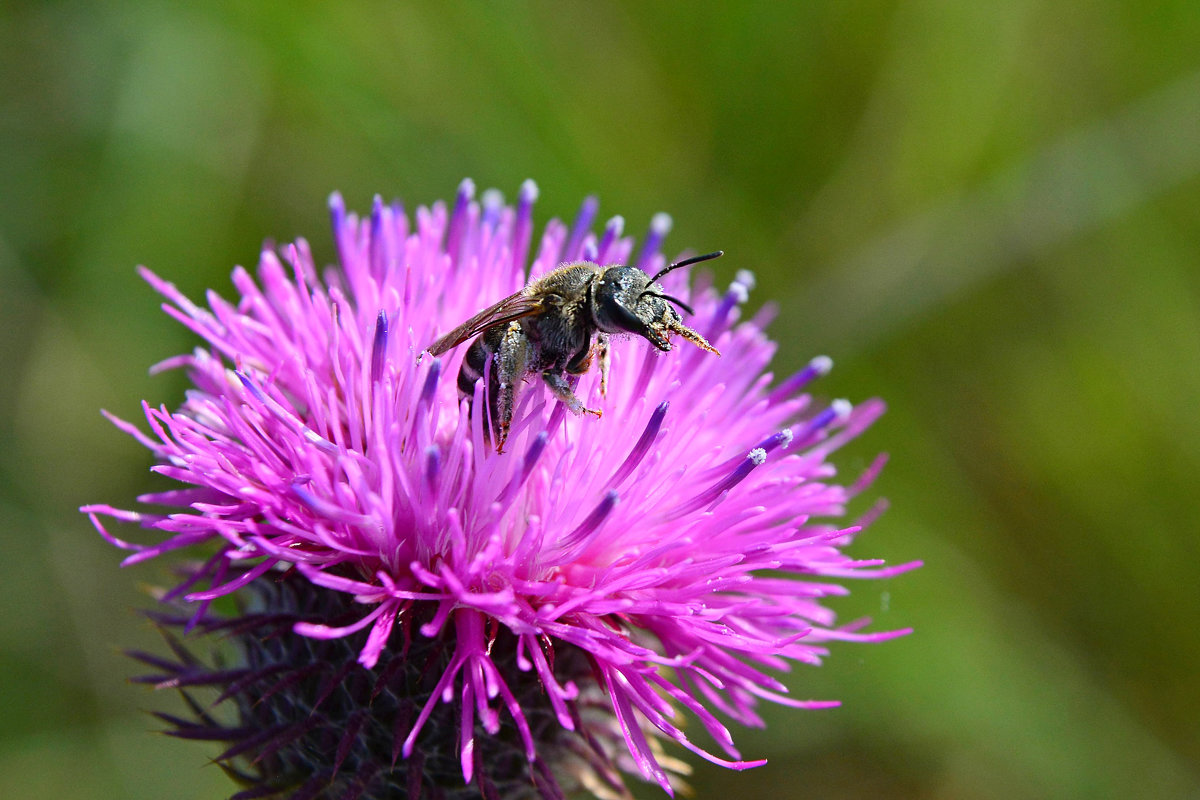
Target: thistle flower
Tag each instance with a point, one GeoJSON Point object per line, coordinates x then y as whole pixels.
{"type": "Point", "coordinates": [416, 612]}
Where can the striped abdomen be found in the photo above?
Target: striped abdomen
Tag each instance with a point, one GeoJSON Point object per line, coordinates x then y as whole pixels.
{"type": "Point", "coordinates": [474, 364]}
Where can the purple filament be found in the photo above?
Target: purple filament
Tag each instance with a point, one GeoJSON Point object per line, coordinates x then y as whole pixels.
{"type": "Point", "coordinates": [583, 223]}
{"type": "Point", "coordinates": [379, 348]}
{"type": "Point", "coordinates": [536, 447]}
{"type": "Point", "coordinates": [433, 465]}
{"type": "Point", "coordinates": [593, 522]}
{"type": "Point", "coordinates": [612, 232]}
{"type": "Point", "coordinates": [814, 369]}
{"type": "Point", "coordinates": [660, 226]}
{"type": "Point", "coordinates": [642, 446]}
{"type": "Point", "coordinates": [379, 256]}
{"type": "Point", "coordinates": [753, 459]}
{"type": "Point", "coordinates": [459, 219]}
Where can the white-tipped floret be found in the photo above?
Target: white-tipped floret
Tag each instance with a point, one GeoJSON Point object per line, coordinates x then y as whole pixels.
{"type": "Point", "coordinates": [785, 438]}
{"type": "Point", "coordinates": [746, 278]}
{"type": "Point", "coordinates": [616, 225]}
{"type": "Point", "coordinates": [492, 199]}
{"type": "Point", "coordinates": [529, 190]}
{"type": "Point", "coordinates": [466, 188]}
{"type": "Point", "coordinates": [842, 407]}
{"type": "Point", "coordinates": [821, 365]}
{"type": "Point", "coordinates": [661, 223]}
{"type": "Point", "coordinates": [739, 292]}
{"type": "Point", "coordinates": [758, 456]}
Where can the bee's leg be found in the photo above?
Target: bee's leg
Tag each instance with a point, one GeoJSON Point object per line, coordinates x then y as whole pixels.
{"type": "Point", "coordinates": [509, 364]}
{"type": "Point", "coordinates": [605, 362]}
{"type": "Point", "coordinates": [582, 361]}
{"type": "Point", "coordinates": [561, 387]}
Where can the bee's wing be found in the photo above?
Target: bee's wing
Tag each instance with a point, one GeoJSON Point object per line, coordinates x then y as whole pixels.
{"type": "Point", "coordinates": [512, 307]}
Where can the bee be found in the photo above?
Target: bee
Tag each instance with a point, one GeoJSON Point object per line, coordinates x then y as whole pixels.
{"type": "Point", "coordinates": [557, 326]}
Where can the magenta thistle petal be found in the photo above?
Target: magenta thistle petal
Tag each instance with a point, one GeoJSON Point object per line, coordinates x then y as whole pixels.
{"type": "Point", "coordinates": [662, 560]}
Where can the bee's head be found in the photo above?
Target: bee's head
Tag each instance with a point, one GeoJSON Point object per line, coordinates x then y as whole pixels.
{"type": "Point", "coordinates": [626, 300]}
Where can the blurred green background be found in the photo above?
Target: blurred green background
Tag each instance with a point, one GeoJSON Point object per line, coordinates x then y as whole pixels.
{"type": "Point", "coordinates": [987, 213]}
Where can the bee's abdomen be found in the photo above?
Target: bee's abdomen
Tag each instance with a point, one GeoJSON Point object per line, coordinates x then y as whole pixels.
{"type": "Point", "coordinates": [472, 366]}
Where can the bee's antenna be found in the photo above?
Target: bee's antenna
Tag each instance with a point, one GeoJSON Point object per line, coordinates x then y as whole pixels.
{"type": "Point", "coordinates": [687, 262]}
{"type": "Point", "coordinates": [668, 298]}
